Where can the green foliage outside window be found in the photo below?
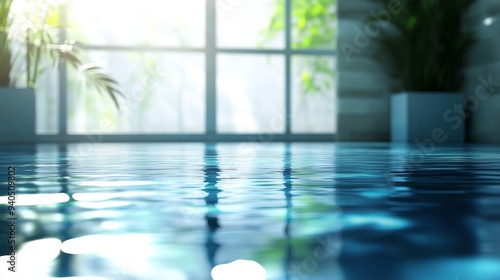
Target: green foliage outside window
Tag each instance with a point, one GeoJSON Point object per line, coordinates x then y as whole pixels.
{"type": "Point", "coordinates": [313, 27]}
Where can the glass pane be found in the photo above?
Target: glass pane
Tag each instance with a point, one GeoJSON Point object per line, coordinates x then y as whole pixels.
{"type": "Point", "coordinates": [250, 93]}
{"type": "Point", "coordinates": [313, 24]}
{"type": "Point", "coordinates": [165, 93]}
{"type": "Point", "coordinates": [313, 95]}
{"type": "Point", "coordinates": [47, 103]}
{"type": "Point", "coordinates": [146, 22]}
{"type": "Point", "coordinates": [250, 24]}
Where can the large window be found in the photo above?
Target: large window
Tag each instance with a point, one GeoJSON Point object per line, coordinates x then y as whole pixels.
{"type": "Point", "coordinates": [199, 68]}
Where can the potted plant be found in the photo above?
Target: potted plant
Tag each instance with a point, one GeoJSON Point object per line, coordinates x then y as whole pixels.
{"type": "Point", "coordinates": [425, 48]}
{"type": "Point", "coordinates": [27, 49]}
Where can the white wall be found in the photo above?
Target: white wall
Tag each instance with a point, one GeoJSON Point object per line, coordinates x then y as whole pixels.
{"type": "Point", "coordinates": [484, 63]}
{"type": "Point", "coordinates": [363, 88]}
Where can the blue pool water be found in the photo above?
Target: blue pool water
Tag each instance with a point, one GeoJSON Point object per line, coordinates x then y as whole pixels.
{"type": "Point", "coordinates": [293, 211]}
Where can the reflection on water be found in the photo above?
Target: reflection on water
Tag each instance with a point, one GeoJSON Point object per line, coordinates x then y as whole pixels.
{"type": "Point", "coordinates": [290, 211]}
{"type": "Point", "coordinates": [211, 171]}
{"type": "Point", "coordinates": [287, 181]}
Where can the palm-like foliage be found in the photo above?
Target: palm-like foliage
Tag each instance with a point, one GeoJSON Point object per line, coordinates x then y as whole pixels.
{"type": "Point", "coordinates": [428, 48]}
{"type": "Point", "coordinates": [28, 48]}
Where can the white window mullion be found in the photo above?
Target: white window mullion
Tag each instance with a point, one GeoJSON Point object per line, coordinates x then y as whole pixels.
{"type": "Point", "coordinates": [211, 66]}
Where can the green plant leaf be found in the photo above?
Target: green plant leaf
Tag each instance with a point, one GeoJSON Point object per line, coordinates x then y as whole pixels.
{"type": "Point", "coordinates": [427, 52]}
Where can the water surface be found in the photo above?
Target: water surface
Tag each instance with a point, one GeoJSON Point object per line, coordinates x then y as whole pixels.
{"type": "Point", "coordinates": [301, 211]}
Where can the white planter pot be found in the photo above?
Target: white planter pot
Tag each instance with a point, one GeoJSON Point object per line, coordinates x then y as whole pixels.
{"type": "Point", "coordinates": [17, 115]}
{"type": "Point", "coordinates": [427, 118]}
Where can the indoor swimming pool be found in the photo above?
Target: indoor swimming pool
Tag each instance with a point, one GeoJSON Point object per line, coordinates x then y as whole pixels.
{"type": "Point", "coordinates": [232, 211]}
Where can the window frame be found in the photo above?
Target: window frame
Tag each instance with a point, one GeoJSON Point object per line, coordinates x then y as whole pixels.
{"type": "Point", "coordinates": [210, 51]}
